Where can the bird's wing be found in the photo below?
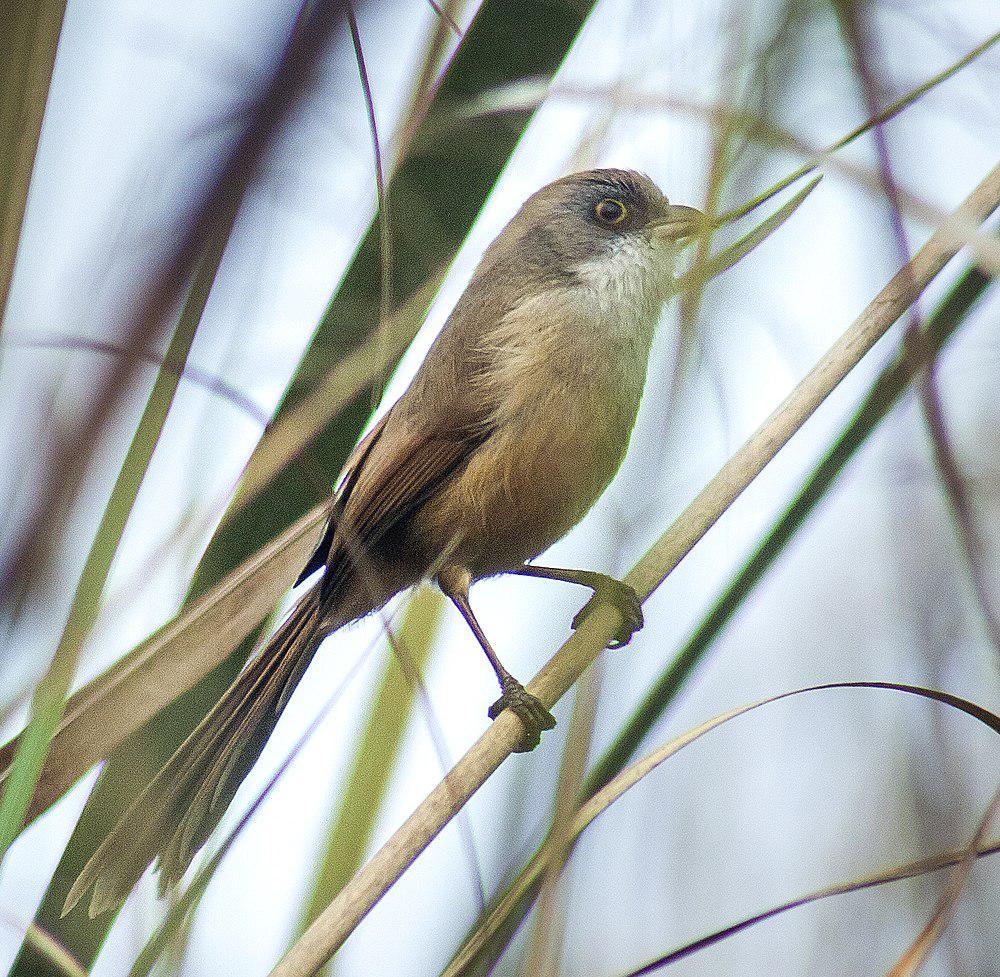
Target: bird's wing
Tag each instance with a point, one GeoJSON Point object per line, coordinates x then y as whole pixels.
{"type": "Point", "coordinates": [428, 434]}
{"type": "Point", "coordinates": [349, 475]}
{"type": "Point", "coordinates": [394, 479]}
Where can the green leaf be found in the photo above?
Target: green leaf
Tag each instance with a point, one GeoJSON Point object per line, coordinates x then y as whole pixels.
{"type": "Point", "coordinates": [21, 778]}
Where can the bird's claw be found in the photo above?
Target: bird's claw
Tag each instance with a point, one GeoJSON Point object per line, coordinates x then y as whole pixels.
{"type": "Point", "coordinates": [535, 718]}
{"type": "Point", "coordinates": [621, 596]}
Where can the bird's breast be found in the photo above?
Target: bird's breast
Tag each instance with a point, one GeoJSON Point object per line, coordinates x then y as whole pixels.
{"type": "Point", "coordinates": [563, 392]}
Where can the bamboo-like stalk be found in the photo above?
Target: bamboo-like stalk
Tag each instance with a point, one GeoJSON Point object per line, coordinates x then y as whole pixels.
{"type": "Point", "coordinates": [329, 931]}
{"type": "Point", "coordinates": [509, 908]}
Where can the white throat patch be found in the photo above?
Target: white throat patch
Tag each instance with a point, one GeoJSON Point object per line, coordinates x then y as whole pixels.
{"type": "Point", "coordinates": [628, 285]}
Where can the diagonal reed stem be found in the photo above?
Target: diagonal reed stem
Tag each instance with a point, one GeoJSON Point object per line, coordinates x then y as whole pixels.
{"type": "Point", "coordinates": [335, 924]}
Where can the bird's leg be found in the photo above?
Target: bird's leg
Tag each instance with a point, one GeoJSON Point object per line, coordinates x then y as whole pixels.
{"type": "Point", "coordinates": [607, 590]}
{"type": "Point", "coordinates": [535, 718]}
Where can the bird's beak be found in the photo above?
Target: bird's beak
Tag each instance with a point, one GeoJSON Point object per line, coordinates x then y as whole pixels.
{"type": "Point", "coordinates": [678, 224]}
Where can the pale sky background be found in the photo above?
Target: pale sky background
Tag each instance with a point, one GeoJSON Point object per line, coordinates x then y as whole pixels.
{"type": "Point", "coordinates": [806, 793]}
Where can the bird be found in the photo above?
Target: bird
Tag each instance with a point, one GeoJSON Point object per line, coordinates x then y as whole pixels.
{"type": "Point", "coordinates": [512, 427]}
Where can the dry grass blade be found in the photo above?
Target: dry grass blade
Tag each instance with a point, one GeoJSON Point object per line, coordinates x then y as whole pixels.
{"type": "Point", "coordinates": [342, 916]}
{"type": "Point", "coordinates": [189, 647]}
{"type": "Point", "coordinates": [182, 907]}
{"type": "Point", "coordinates": [102, 714]}
{"type": "Point", "coordinates": [716, 264]}
{"type": "Point", "coordinates": [545, 944]}
{"type": "Point", "coordinates": [635, 772]}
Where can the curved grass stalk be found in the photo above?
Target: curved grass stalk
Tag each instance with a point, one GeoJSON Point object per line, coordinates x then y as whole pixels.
{"type": "Point", "coordinates": [635, 772]}
{"type": "Point", "coordinates": [909, 870]}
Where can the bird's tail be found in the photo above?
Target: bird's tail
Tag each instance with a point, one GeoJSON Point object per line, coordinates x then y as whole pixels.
{"type": "Point", "coordinates": [173, 817]}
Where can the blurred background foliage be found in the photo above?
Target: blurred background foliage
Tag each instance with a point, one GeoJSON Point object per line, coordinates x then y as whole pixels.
{"type": "Point", "coordinates": [863, 576]}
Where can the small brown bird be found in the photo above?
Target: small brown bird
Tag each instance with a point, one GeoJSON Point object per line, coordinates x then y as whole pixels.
{"type": "Point", "coordinates": [513, 426]}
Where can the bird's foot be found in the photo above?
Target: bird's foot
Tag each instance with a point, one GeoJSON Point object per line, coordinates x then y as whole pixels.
{"type": "Point", "coordinates": [608, 590]}
{"type": "Point", "coordinates": [533, 715]}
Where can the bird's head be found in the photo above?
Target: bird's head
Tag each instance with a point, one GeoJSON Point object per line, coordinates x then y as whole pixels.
{"type": "Point", "coordinates": [610, 231]}
{"type": "Point", "coordinates": [608, 218]}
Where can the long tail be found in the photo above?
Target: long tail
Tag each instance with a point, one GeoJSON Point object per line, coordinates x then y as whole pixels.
{"type": "Point", "coordinates": [173, 817]}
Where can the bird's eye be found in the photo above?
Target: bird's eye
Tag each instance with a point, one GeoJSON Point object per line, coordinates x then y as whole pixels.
{"type": "Point", "coordinates": [610, 211]}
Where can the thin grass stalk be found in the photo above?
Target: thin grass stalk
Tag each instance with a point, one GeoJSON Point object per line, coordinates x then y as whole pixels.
{"type": "Point", "coordinates": [724, 132]}
{"type": "Point", "coordinates": [879, 118]}
{"type": "Point", "coordinates": [382, 216]}
{"type": "Point", "coordinates": [376, 753]}
{"type": "Point", "coordinates": [859, 40]}
{"type": "Point", "coordinates": [429, 76]}
{"type": "Point", "coordinates": [545, 946]}
{"type": "Point", "coordinates": [342, 916]}
{"type": "Point", "coordinates": [378, 747]}
{"type": "Point", "coordinates": [916, 954]}
{"type": "Point", "coordinates": [214, 385]}
{"type": "Point", "coordinates": [50, 695]}
{"type": "Point", "coordinates": [949, 470]}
